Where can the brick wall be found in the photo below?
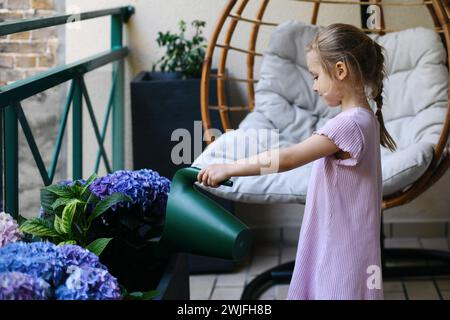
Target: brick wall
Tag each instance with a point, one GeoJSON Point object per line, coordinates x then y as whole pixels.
{"type": "Point", "coordinates": [22, 55]}
{"type": "Point", "coordinates": [26, 53]}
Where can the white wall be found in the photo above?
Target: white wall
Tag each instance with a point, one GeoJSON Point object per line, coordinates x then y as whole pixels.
{"type": "Point", "coordinates": [161, 15]}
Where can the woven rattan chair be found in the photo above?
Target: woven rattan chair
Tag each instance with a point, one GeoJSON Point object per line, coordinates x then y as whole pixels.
{"type": "Point", "coordinates": [251, 13]}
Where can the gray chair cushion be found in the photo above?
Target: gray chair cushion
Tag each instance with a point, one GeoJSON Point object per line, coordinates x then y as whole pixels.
{"type": "Point", "coordinates": [415, 104]}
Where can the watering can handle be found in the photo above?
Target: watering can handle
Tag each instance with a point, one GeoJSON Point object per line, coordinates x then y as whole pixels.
{"type": "Point", "coordinates": [194, 172]}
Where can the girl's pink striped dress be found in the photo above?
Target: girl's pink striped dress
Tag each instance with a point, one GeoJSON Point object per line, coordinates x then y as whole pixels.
{"type": "Point", "coordinates": [338, 254]}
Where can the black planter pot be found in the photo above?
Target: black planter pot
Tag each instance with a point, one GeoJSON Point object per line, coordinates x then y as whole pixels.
{"type": "Point", "coordinates": [133, 256]}
{"type": "Point", "coordinates": [163, 76]}
{"type": "Point", "coordinates": [141, 269]}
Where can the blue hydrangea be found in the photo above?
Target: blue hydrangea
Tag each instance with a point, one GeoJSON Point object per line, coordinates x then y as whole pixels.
{"type": "Point", "coordinates": [88, 284]}
{"type": "Point", "coordinates": [145, 187]}
{"type": "Point", "coordinates": [61, 267]}
{"type": "Point", "coordinates": [21, 286]}
{"type": "Point", "coordinates": [38, 259]}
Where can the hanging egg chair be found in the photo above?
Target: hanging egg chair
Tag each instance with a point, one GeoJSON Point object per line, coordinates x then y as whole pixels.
{"type": "Point", "coordinates": [256, 92]}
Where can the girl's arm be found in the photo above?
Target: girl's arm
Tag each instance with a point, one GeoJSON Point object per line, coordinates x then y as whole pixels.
{"type": "Point", "coordinates": [271, 161]}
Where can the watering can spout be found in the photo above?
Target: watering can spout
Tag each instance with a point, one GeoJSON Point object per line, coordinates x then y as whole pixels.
{"type": "Point", "coordinates": [196, 224]}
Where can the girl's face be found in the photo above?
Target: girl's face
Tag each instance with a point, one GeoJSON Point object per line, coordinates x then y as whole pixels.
{"type": "Point", "coordinates": [324, 85]}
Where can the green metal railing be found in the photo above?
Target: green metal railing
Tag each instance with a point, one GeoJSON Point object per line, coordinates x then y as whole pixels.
{"type": "Point", "coordinates": [12, 112]}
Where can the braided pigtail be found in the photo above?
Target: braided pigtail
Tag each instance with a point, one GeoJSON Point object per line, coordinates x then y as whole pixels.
{"type": "Point", "coordinates": [386, 139]}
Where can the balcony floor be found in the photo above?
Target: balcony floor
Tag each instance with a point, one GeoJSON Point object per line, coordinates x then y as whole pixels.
{"type": "Point", "coordinates": [229, 286]}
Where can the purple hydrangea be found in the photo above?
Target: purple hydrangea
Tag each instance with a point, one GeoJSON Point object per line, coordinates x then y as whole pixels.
{"type": "Point", "coordinates": [21, 286]}
{"type": "Point", "coordinates": [78, 256]}
{"type": "Point", "coordinates": [9, 230]}
{"type": "Point", "coordinates": [145, 187]}
{"type": "Point", "coordinates": [88, 284]}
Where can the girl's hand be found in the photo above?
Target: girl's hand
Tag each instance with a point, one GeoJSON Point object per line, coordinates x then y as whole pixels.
{"type": "Point", "coordinates": [213, 175]}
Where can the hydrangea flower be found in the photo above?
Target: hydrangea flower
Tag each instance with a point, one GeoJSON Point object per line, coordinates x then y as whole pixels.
{"type": "Point", "coordinates": [88, 284]}
{"type": "Point", "coordinates": [21, 286]}
{"type": "Point", "coordinates": [70, 271]}
{"type": "Point", "coordinates": [74, 255]}
{"type": "Point", "coordinates": [46, 260]}
{"type": "Point", "coordinates": [145, 187]}
{"type": "Point", "coordinates": [38, 259]}
{"type": "Point", "coordinates": [9, 230]}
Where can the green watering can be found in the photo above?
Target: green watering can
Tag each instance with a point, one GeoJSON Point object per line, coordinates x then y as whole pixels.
{"type": "Point", "coordinates": [196, 224]}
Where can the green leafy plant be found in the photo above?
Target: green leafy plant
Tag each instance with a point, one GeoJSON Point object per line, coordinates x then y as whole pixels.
{"type": "Point", "coordinates": [182, 54]}
{"type": "Point", "coordinates": [69, 211]}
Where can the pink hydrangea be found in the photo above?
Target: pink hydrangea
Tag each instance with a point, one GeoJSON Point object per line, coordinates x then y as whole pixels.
{"type": "Point", "coordinates": [9, 230]}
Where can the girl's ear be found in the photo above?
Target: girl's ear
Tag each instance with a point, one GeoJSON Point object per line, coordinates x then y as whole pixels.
{"type": "Point", "coordinates": [341, 70]}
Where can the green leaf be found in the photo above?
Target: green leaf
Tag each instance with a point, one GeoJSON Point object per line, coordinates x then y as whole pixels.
{"type": "Point", "coordinates": [97, 246]}
{"type": "Point", "coordinates": [60, 201]}
{"type": "Point", "coordinates": [38, 227]}
{"type": "Point", "coordinates": [147, 295]}
{"type": "Point", "coordinates": [88, 182]}
{"type": "Point", "coordinates": [79, 229]}
{"type": "Point", "coordinates": [67, 216]}
{"type": "Point", "coordinates": [21, 219]}
{"type": "Point", "coordinates": [67, 242]}
{"type": "Point", "coordinates": [57, 225]}
{"type": "Point", "coordinates": [93, 199]}
{"type": "Point", "coordinates": [47, 199]}
{"type": "Point", "coordinates": [62, 191]}
{"type": "Point", "coordinates": [85, 196]}
{"type": "Point", "coordinates": [107, 203]}
{"type": "Point", "coordinates": [76, 190]}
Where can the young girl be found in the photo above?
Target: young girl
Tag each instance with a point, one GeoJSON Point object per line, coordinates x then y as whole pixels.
{"type": "Point", "coordinates": [338, 255]}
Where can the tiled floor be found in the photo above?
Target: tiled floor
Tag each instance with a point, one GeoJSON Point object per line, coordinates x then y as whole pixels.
{"type": "Point", "coordinates": [229, 286]}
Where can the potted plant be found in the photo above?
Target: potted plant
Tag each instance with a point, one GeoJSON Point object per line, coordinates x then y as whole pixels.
{"type": "Point", "coordinates": [69, 208]}
{"type": "Point", "coordinates": [119, 217]}
{"type": "Point", "coordinates": [167, 98]}
{"type": "Point", "coordinates": [135, 226]}
{"type": "Point", "coordinates": [183, 57]}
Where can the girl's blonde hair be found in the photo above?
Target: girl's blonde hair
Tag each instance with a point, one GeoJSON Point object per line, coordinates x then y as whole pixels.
{"type": "Point", "coordinates": [363, 57]}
